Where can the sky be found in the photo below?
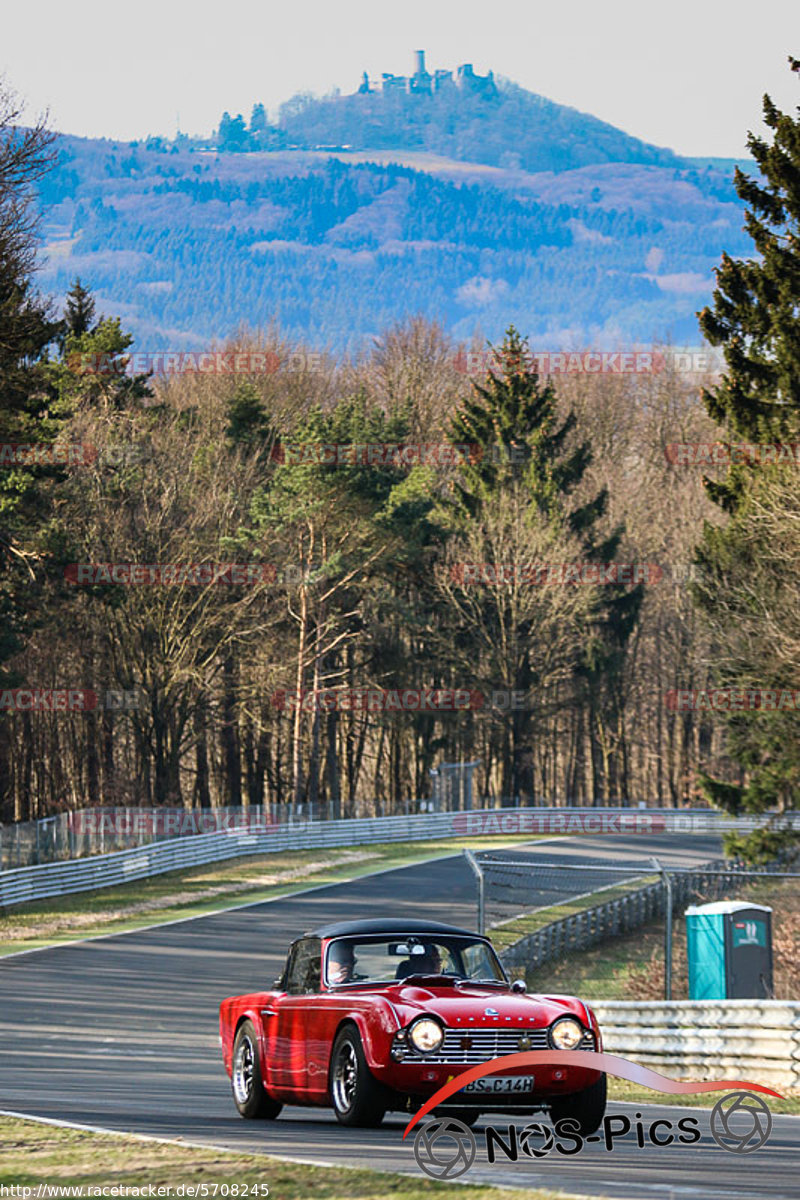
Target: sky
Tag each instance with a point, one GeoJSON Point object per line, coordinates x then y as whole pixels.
{"type": "Point", "coordinates": [689, 74]}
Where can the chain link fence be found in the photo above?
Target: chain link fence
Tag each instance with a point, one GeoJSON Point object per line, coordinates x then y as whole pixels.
{"type": "Point", "coordinates": [578, 906]}
{"type": "Point", "coordinates": [512, 884]}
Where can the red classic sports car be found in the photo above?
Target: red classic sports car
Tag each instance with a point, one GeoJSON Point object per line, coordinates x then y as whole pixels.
{"type": "Point", "coordinates": [375, 1015]}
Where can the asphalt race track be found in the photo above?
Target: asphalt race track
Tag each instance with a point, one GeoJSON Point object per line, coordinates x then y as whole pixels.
{"type": "Point", "coordinates": [121, 1032]}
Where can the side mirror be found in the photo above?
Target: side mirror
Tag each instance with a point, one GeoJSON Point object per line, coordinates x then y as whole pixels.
{"type": "Point", "coordinates": [518, 985]}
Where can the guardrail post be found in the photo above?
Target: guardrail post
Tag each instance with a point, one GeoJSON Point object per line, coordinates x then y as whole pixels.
{"type": "Point", "coordinates": [667, 928]}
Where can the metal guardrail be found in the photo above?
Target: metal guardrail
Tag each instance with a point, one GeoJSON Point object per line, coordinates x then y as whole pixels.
{"type": "Point", "coordinates": [107, 870]}
{"type": "Point", "coordinates": [701, 1039]}
{"type": "Point", "coordinates": [77, 833]}
{"type": "Point", "coordinates": [123, 866]}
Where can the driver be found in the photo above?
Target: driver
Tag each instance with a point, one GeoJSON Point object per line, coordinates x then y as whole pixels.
{"type": "Point", "coordinates": [429, 963]}
{"type": "Point", "coordinates": [341, 963]}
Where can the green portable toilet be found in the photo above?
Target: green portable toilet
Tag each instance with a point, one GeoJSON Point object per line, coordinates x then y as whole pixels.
{"type": "Point", "coordinates": [729, 947]}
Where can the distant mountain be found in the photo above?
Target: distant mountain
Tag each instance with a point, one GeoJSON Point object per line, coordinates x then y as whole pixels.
{"type": "Point", "coordinates": [475, 208]}
{"type": "Point", "coordinates": [509, 127]}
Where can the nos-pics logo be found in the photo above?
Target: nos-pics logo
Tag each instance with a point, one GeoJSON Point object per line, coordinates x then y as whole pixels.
{"type": "Point", "coordinates": [446, 1148]}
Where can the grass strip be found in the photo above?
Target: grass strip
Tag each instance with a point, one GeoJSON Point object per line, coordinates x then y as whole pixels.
{"type": "Point", "coordinates": [621, 1089]}
{"type": "Point", "coordinates": [34, 1155]}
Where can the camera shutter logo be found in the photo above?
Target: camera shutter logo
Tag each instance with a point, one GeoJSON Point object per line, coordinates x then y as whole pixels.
{"type": "Point", "coordinates": [445, 1148]}
{"type": "Point", "coordinates": [740, 1122]}
{"type": "Point", "coordinates": [529, 1139]}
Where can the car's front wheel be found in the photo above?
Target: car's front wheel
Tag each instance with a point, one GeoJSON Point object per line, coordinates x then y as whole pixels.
{"type": "Point", "coordinates": [587, 1108]}
{"type": "Point", "coordinates": [356, 1096]}
{"type": "Point", "coordinates": [248, 1090]}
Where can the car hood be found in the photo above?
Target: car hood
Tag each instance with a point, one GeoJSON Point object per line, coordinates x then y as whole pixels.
{"type": "Point", "coordinates": [478, 1006]}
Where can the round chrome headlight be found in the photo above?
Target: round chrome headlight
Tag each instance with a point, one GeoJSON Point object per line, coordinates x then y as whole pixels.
{"type": "Point", "coordinates": [426, 1035]}
{"type": "Point", "coordinates": [566, 1034]}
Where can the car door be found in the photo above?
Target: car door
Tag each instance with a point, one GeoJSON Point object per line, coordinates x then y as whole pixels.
{"type": "Point", "coordinates": [287, 1018]}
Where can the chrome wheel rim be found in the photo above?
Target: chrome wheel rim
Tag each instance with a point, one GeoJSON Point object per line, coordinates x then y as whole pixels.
{"type": "Point", "coordinates": [243, 1070]}
{"type": "Point", "coordinates": [345, 1078]}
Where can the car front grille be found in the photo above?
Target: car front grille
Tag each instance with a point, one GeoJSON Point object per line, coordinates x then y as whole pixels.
{"type": "Point", "coordinates": [472, 1046]}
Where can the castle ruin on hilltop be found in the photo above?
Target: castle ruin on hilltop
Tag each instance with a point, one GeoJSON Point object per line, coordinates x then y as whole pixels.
{"type": "Point", "coordinates": [423, 83]}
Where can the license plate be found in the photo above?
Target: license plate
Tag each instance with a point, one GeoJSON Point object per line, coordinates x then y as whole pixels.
{"type": "Point", "coordinates": [500, 1083]}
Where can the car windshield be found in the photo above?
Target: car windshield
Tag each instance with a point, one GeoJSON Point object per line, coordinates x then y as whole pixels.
{"type": "Point", "coordinates": [389, 959]}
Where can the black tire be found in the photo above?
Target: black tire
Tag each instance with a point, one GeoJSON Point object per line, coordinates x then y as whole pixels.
{"type": "Point", "coordinates": [587, 1107]}
{"type": "Point", "coordinates": [248, 1090]}
{"type": "Point", "coordinates": [356, 1096]}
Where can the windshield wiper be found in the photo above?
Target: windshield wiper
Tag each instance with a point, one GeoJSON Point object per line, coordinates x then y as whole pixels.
{"type": "Point", "coordinates": [484, 982]}
{"type": "Point", "coordinates": [425, 975]}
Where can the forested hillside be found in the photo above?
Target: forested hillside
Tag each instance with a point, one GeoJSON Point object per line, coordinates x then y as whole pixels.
{"type": "Point", "coordinates": [510, 127]}
{"type": "Point", "coordinates": [511, 206]}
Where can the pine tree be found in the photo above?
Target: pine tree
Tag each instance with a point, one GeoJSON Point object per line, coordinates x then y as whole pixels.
{"type": "Point", "coordinates": [27, 412]}
{"type": "Point", "coordinates": [754, 313]}
{"type": "Point", "coordinates": [248, 423]}
{"type": "Point", "coordinates": [258, 119]}
{"type": "Point", "coordinates": [93, 368]}
{"type": "Point", "coordinates": [746, 582]}
{"type": "Point", "coordinates": [232, 133]}
{"type": "Point", "coordinates": [28, 329]}
{"type": "Point", "coordinates": [517, 446]}
{"type": "Point", "coordinates": [78, 310]}
{"type": "Point", "coordinates": [512, 422]}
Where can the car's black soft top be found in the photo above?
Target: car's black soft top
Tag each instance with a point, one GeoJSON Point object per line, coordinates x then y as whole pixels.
{"type": "Point", "coordinates": [387, 925]}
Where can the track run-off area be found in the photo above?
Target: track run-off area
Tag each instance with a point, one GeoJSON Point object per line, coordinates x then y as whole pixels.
{"type": "Point", "coordinates": [120, 1032]}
